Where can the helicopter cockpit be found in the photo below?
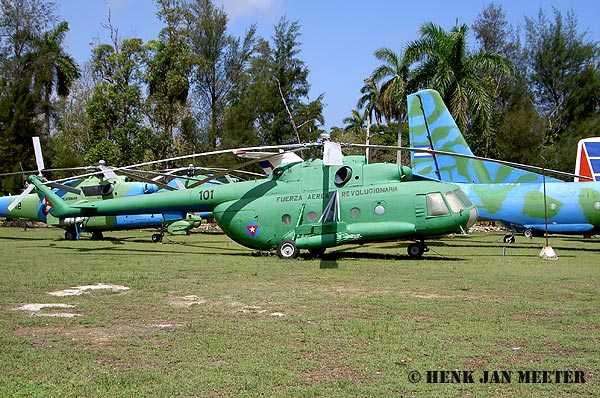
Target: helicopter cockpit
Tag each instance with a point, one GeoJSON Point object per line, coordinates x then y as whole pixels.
{"type": "Point", "coordinates": [455, 201]}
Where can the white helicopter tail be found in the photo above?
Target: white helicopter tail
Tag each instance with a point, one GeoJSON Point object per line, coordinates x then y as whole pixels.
{"type": "Point", "coordinates": [588, 160]}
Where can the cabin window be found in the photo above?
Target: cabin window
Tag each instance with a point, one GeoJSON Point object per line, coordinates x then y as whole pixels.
{"type": "Point", "coordinates": [355, 212]}
{"type": "Point", "coordinates": [436, 205]}
{"type": "Point", "coordinates": [311, 216]}
{"type": "Point", "coordinates": [286, 219]}
{"type": "Point", "coordinates": [597, 205]}
{"type": "Point", "coordinates": [454, 203]}
{"type": "Point", "coordinates": [379, 210]}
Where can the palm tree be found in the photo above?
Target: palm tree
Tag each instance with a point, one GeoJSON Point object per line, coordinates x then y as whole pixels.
{"type": "Point", "coordinates": [370, 100]}
{"type": "Point", "coordinates": [459, 76]}
{"type": "Point", "coordinates": [393, 91]}
{"type": "Point", "coordinates": [353, 130]}
{"type": "Point", "coordinates": [54, 69]}
{"type": "Point", "coordinates": [355, 123]}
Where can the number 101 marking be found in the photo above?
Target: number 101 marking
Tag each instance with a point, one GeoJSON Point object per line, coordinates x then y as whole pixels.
{"type": "Point", "coordinates": [206, 195]}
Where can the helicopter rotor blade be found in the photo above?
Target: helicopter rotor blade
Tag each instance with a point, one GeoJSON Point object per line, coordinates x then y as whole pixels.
{"type": "Point", "coordinates": [26, 172]}
{"type": "Point", "coordinates": [64, 187]}
{"type": "Point", "coordinates": [228, 171]}
{"type": "Point", "coordinates": [294, 147]}
{"type": "Point", "coordinates": [172, 172]}
{"type": "Point", "coordinates": [146, 179]}
{"type": "Point", "coordinates": [14, 173]}
{"type": "Point", "coordinates": [31, 187]}
{"type": "Point", "coordinates": [39, 159]}
{"type": "Point", "coordinates": [20, 198]}
{"type": "Point", "coordinates": [460, 155]}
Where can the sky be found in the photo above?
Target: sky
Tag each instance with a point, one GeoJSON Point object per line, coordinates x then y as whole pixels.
{"type": "Point", "coordinates": [338, 37]}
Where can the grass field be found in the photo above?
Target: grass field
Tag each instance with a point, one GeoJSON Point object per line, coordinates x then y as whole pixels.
{"type": "Point", "coordinates": [205, 317]}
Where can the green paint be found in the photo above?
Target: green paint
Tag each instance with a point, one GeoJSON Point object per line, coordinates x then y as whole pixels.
{"type": "Point", "coordinates": [427, 170]}
{"type": "Point", "coordinates": [589, 200]}
{"type": "Point", "coordinates": [492, 199]}
{"type": "Point", "coordinates": [528, 178]}
{"type": "Point", "coordinates": [534, 205]}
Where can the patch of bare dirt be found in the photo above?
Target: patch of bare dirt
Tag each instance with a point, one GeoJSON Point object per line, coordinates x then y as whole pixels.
{"type": "Point", "coordinates": [79, 290]}
{"type": "Point", "coordinates": [40, 310]}
{"type": "Point", "coordinates": [95, 337]}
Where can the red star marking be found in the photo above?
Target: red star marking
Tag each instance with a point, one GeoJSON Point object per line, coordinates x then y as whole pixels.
{"type": "Point", "coordinates": [251, 229]}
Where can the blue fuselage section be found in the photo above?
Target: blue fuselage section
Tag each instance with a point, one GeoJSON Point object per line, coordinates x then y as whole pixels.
{"type": "Point", "coordinates": [570, 208]}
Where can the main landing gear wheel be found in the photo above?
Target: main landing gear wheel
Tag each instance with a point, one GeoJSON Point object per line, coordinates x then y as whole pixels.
{"type": "Point", "coordinates": [528, 233]}
{"type": "Point", "coordinates": [416, 250]}
{"type": "Point", "coordinates": [509, 238]}
{"type": "Point", "coordinates": [287, 249]}
{"type": "Point", "coordinates": [157, 238]}
{"type": "Point", "coordinates": [70, 234]}
{"type": "Point", "coordinates": [97, 235]}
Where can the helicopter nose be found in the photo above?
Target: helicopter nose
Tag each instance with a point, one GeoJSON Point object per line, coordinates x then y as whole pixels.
{"type": "Point", "coordinates": [4, 202]}
{"type": "Point", "coordinates": [472, 217]}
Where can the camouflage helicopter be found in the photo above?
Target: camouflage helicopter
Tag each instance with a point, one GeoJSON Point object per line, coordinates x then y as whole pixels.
{"type": "Point", "coordinates": [312, 204]}
{"type": "Point", "coordinates": [101, 184]}
{"type": "Point", "coordinates": [101, 187]}
{"type": "Point", "coordinates": [522, 200]}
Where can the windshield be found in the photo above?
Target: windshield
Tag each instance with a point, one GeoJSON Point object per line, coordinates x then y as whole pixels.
{"type": "Point", "coordinates": [463, 198]}
{"type": "Point", "coordinates": [455, 204]}
{"type": "Point", "coordinates": [436, 206]}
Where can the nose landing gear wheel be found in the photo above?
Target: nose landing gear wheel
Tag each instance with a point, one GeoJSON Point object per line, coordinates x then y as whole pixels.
{"type": "Point", "coordinates": [287, 249]}
{"type": "Point", "coordinates": [416, 250]}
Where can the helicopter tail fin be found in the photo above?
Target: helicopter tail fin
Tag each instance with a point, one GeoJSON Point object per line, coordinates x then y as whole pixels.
{"type": "Point", "coordinates": [51, 202]}
{"type": "Point", "coordinates": [588, 159]}
{"type": "Point", "coordinates": [431, 126]}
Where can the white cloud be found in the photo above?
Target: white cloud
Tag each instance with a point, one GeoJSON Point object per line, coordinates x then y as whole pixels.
{"type": "Point", "coordinates": [238, 9]}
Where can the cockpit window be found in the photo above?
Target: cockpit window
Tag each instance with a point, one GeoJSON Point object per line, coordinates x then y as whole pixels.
{"type": "Point", "coordinates": [463, 198]}
{"type": "Point", "coordinates": [98, 190]}
{"type": "Point", "coordinates": [455, 204]}
{"type": "Point", "coordinates": [436, 205]}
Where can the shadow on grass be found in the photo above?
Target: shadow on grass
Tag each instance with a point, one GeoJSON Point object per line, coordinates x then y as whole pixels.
{"type": "Point", "coordinates": [26, 238]}
{"type": "Point", "coordinates": [175, 249]}
{"type": "Point", "coordinates": [516, 246]}
{"type": "Point", "coordinates": [328, 259]}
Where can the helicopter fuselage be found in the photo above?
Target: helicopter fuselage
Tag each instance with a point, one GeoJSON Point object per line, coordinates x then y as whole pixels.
{"type": "Point", "coordinates": [313, 205]}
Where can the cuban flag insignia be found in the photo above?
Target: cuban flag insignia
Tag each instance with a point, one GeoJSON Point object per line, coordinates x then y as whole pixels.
{"type": "Point", "coordinates": [252, 229]}
{"type": "Point", "coordinates": [46, 205]}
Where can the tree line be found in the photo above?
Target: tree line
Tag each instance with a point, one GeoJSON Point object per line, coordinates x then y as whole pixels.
{"type": "Point", "coordinates": [526, 97]}
{"type": "Point", "coordinates": [197, 88]}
